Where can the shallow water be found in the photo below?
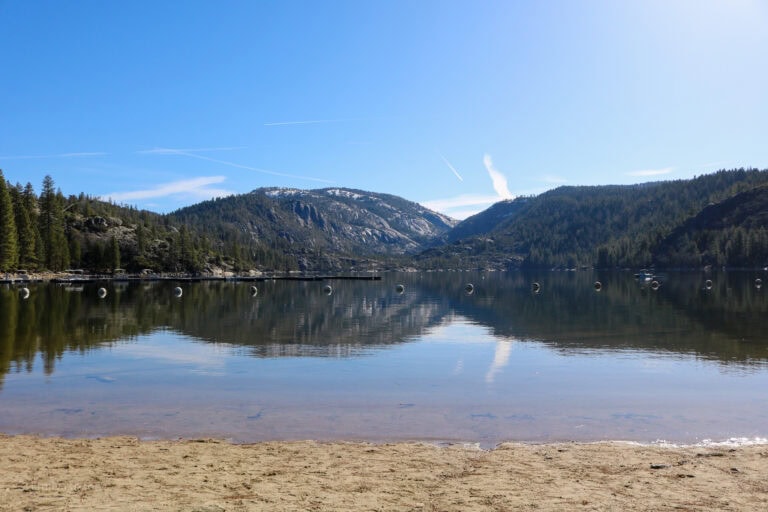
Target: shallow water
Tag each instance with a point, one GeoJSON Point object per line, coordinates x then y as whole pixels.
{"type": "Point", "coordinates": [682, 363]}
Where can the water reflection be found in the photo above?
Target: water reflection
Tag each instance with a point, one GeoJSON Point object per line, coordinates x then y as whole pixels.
{"type": "Point", "coordinates": [724, 321]}
{"type": "Point", "coordinates": [500, 359]}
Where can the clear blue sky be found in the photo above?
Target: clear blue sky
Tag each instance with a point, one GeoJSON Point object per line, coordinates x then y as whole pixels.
{"type": "Point", "coordinates": [452, 104]}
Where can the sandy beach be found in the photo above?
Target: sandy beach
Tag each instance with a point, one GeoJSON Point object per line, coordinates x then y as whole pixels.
{"type": "Point", "coordinates": [123, 473]}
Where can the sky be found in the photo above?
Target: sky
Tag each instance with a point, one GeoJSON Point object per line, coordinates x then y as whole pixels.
{"type": "Point", "coordinates": [452, 104]}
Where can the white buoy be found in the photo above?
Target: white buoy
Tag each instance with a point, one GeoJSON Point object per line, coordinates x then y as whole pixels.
{"type": "Point", "coordinates": [178, 291]}
{"type": "Point", "coordinates": [536, 287]}
{"type": "Point", "coordinates": [399, 288]}
{"type": "Point", "coordinates": [708, 284]}
{"type": "Point", "coordinates": [469, 288]}
{"type": "Point", "coordinates": [758, 283]}
{"type": "Point", "coordinates": [102, 293]}
{"type": "Point", "coordinates": [598, 286]}
{"type": "Point", "coordinates": [24, 293]}
{"type": "Point", "coordinates": [254, 291]}
{"type": "Point", "coordinates": [655, 285]}
{"type": "Point", "coordinates": [327, 289]}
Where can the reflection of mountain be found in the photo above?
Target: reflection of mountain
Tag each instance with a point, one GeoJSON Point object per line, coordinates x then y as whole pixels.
{"type": "Point", "coordinates": [726, 323]}
{"type": "Point", "coordinates": [299, 318]}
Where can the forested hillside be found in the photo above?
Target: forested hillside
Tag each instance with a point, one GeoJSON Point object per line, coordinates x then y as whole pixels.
{"type": "Point", "coordinates": [733, 232]}
{"type": "Point", "coordinates": [604, 226]}
{"type": "Point", "coordinates": [266, 230]}
{"type": "Point", "coordinates": [716, 219]}
{"type": "Point", "coordinates": [54, 232]}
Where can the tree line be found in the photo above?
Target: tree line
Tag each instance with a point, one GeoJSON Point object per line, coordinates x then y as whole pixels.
{"type": "Point", "coordinates": [54, 232]}
{"type": "Point", "coordinates": [31, 227]}
{"type": "Point", "coordinates": [683, 223]}
{"type": "Point", "coordinates": [715, 219]}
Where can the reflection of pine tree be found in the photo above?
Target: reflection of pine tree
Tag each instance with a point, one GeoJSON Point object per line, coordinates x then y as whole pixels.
{"type": "Point", "coordinates": [8, 316]}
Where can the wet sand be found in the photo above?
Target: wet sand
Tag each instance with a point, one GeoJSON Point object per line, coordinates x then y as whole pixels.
{"type": "Point", "coordinates": [122, 473]}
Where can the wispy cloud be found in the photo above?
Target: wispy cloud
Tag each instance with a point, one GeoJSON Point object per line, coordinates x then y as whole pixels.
{"type": "Point", "coordinates": [311, 121]}
{"type": "Point", "coordinates": [195, 187]}
{"type": "Point", "coordinates": [58, 155]}
{"type": "Point", "coordinates": [554, 180]}
{"type": "Point", "coordinates": [82, 154]}
{"type": "Point", "coordinates": [169, 151]}
{"type": "Point", "coordinates": [651, 172]}
{"type": "Point", "coordinates": [166, 151]}
{"type": "Point", "coordinates": [450, 166]}
{"type": "Point", "coordinates": [463, 206]}
{"type": "Point", "coordinates": [462, 201]}
{"type": "Point", "coordinates": [498, 179]}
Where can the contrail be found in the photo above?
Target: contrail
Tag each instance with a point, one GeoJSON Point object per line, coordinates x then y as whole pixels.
{"type": "Point", "coordinates": [450, 166]}
{"type": "Point", "coordinates": [166, 151]}
{"type": "Point", "coordinates": [196, 186]}
{"type": "Point", "coordinates": [240, 166]}
{"type": "Point", "coordinates": [316, 121]}
{"type": "Point", "coordinates": [60, 155]}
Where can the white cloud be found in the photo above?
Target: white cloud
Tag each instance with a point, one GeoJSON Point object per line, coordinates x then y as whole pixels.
{"type": "Point", "coordinates": [651, 172]}
{"type": "Point", "coordinates": [498, 179]}
{"type": "Point", "coordinates": [196, 187]}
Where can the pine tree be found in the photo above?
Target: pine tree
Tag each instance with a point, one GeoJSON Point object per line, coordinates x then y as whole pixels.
{"type": "Point", "coordinates": [9, 248]}
{"type": "Point", "coordinates": [75, 252]}
{"type": "Point", "coordinates": [55, 246]}
{"type": "Point", "coordinates": [62, 242]}
{"type": "Point", "coordinates": [25, 228]}
{"type": "Point", "coordinates": [114, 254]}
{"type": "Point", "coordinates": [140, 239]}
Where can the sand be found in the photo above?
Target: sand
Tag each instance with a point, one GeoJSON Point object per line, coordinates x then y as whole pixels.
{"type": "Point", "coordinates": [122, 473]}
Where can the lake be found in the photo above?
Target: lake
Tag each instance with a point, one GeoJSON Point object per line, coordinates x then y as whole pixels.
{"type": "Point", "coordinates": [432, 361]}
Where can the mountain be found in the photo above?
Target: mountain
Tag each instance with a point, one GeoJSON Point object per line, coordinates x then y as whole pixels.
{"type": "Point", "coordinates": [733, 232]}
{"type": "Point", "coordinates": [268, 229]}
{"type": "Point", "coordinates": [715, 219]}
{"type": "Point", "coordinates": [323, 229]}
{"type": "Point", "coordinates": [487, 220]}
{"type": "Point", "coordinates": [605, 226]}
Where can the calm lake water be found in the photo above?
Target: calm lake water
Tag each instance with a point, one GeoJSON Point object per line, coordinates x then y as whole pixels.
{"type": "Point", "coordinates": [683, 363]}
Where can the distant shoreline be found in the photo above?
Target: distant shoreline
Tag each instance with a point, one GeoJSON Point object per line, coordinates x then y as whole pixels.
{"type": "Point", "coordinates": [67, 278]}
